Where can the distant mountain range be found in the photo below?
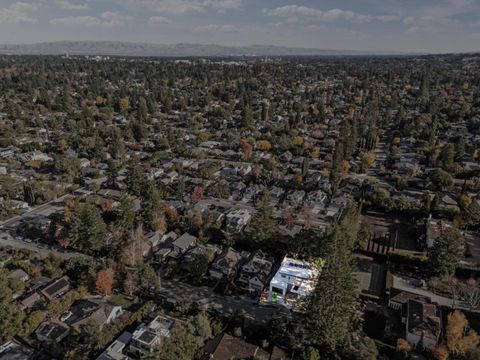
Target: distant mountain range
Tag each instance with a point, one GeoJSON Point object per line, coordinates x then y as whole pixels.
{"type": "Point", "coordinates": [118, 48]}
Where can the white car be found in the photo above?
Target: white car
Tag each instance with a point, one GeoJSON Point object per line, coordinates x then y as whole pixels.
{"type": "Point", "coordinates": [66, 316]}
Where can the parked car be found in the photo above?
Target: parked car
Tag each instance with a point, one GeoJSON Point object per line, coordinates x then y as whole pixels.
{"type": "Point", "coordinates": [66, 316]}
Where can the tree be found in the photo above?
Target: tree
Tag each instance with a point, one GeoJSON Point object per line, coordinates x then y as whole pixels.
{"type": "Point", "coordinates": [331, 304]}
{"type": "Point", "coordinates": [123, 105]}
{"type": "Point", "coordinates": [198, 266]}
{"type": "Point", "coordinates": [112, 173]}
{"type": "Point", "coordinates": [125, 214]}
{"type": "Point", "coordinates": [368, 159]}
{"type": "Point", "coordinates": [147, 280]}
{"type": "Point", "coordinates": [336, 170]}
{"type": "Point", "coordinates": [247, 119]}
{"type": "Point", "coordinates": [87, 228]}
{"type": "Point", "coordinates": [247, 150]}
{"type": "Point", "coordinates": [447, 252]}
{"type": "Point", "coordinates": [82, 270]}
{"type": "Point", "coordinates": [151, 207]}
{"type": "Point", "coordinates": [263, 223]}
{"type": "Point", "coordinates": [264, 145]}
{"type": "Point", "coordinates": [10, 317]}
{"type": "Point", "coordinates": [136, 180]}
{"type": "Point", "coordinates": [186, 339]}
{"type": "Point", "coordinates": [403, 348]}
{"type": "Point", "coordinates": [310, 353]}
{"type": "Point", "coordinates": [32, 321]}
{"type": "Point", "coordinates": [128, 284]}
{"type": "Point", "coordinates": [440, 353]}
{"type": "Point", "coordinates": [441, 179]}
{"type": "Point", "coordinates": [197, 194]}
{"type": "Point", "coordinates": [104, 282]}
{"type": "Point", "coordinates": [307, 215]}
{"type": "Point", "coordinates": [29, 193]}
{"type": "Point", "coordinates": [470, 293]}
{"type": "Point", "coordinates": [459, 337]}
{"type": "Point", "coordinates": [305, 166]}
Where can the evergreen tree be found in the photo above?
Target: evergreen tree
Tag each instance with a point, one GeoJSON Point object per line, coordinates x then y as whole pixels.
{"type": "Point", "coordinates": [87, 228]}
{"type": "Point", "coordinates": [331, 305]}
{"type": "Point", "coordinates": [125, 214]}
{"type": "Point", "coordinates": [136, 180]}
{"type": "Point", "coordinates": [336, 171]}
{"type": "Point", "coordinates": [447, 252]}
{"type": "Point", "coordinates": [263, 223]}
{"type": "Point", "coordinates": [10, 317]}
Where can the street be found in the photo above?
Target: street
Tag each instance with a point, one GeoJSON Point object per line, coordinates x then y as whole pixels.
{"type": "Point", "coordinates": [206, 298]}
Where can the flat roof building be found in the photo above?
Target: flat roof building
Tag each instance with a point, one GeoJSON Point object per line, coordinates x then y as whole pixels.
{"type": "Point", "coordinates": [294, 279]}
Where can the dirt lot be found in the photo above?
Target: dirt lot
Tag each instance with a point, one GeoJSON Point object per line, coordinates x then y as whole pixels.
{"type": "Point", "coordinates": [405, 228]}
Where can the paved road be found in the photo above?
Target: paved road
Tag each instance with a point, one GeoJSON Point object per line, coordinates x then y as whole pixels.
{"type": "Point", "coordinates": [43, 251]}
{"type": "Point", "coordinates": [211, 301]}
{"type": "Point", "coordinates": [42, 210]}
{"type": "Point", "coordinates": [9, 227]}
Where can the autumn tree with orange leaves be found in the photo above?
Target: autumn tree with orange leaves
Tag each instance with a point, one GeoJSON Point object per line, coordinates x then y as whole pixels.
{"type": "Point", "coordinates": [104, 283]}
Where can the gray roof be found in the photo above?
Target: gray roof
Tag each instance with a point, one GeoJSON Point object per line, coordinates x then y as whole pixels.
{"type": "Point", "coordinates": [185, 241]}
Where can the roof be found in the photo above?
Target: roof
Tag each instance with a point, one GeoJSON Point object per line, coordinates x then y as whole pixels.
{"type": "Point", "coordinates": [228, 259]}
{"type": "Point", "coordinates": [30, 300]}
{"type": "Point", "coordinates": [51, 331]}
{"type": "Point", "coordinates": [404, 297]}
{"type": "Point", "coordinates": [232, 348]}
{"type": "Point", "coordinates": [84, 311]}
{"type": "Point", "coordinates": [57, 287]}
{"type": "Point", "coordinates": [13, 350]}
{"type": "Point", "coordinates": [17, 274]}
{"type": "Point", "coordinates": [185, 241]}
{"type": "Point", "coordinates": [116, 348]}
{"type": "Point", "coordinates": [297, 268]}
{"type": "Point", "coordinates": [423, 319]}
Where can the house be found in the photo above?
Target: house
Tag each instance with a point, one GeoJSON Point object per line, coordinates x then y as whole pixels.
{"type": "Point", "coordinates": [255, 273]}
{"type": "Point", "coordinates": [293, 280]}
{"type": "Point", "coordinates": [423, 325]}
{"type": "Point", "coordinates": [147, 336]}
{"type": "Point", "coordinates": [30, 301]}
{"type": "Point", "coordinates": [14, 350]}
{"type": "Point", "coordinates": [295, 198]}
{"type": "Point", "coordinates": [57, 288]}
{"type": "Point", "coordinates": [228, 347]}
{"type": "Point", "coordinates": [155, 238]}
{"type": "Point", "coordinates": [182, 244]}
{"type": "Point", "coordinates": [285, 233]}
{"type": "Point", "coordinates": [166, 245]}
{"type": "Point", "coordinates": [399, 301]}
{"type": "Point", "coordinates": [117, 348]}
{"type": "Point", "coordinates": [276, 194]}
{"type": "Point", "coordinates": [90, 311]}
{"type": "Point", "coordinates": [110, 194]}
{"type": "Point", "coordinates": [18, 274]}
{"type": "Point", "coordinates": [209, 250]}
{"type": "Point", "coordinates": [318, 201]}
{"type": "Point", "coordinates": [238, 219]}
{"type": "Point", "coordinates": [51, 331]}
{"type": "Point", "coordinates": [226, 265]}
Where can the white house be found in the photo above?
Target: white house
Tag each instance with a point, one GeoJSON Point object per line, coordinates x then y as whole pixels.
{"type": "Point", "coordinates": [146, 337]}
{"type": "Point", "coordinates": [238, 218]}
{"type": "Point", "coordinates": [294, 279]}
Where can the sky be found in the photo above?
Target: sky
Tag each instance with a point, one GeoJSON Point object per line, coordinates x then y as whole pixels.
{"type": "Point", "coordinates": [435, 26]}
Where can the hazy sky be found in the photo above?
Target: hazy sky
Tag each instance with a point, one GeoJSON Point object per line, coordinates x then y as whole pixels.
{"type": "Point", "coordinates": [399, 25]}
